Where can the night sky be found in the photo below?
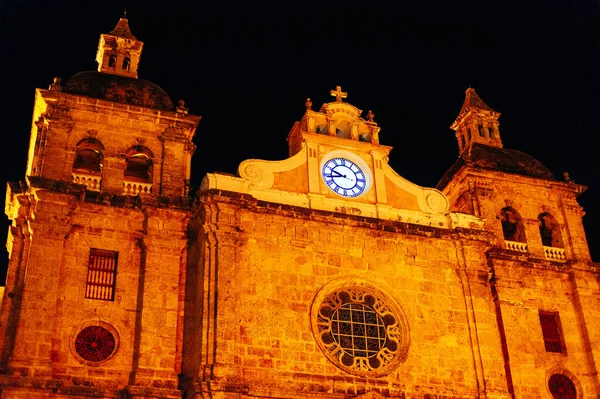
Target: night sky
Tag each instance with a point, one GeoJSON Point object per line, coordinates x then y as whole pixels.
{"type": "Point", "coordinates": [247, 68]}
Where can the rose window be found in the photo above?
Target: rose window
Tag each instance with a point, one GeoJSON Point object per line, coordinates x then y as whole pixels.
{"type": "Point", "coordinates": [561, 387]}
{"type": "Point", "coordinates": [361, 331]}
{"type": "Point", "coordinates": [95, 344]}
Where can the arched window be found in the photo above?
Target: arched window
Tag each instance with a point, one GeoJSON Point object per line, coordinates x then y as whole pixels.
{"type": "Point", "coordinates": [126, 62]}
{"type": "Point", "coordinates": [481, 132]}
{"type": "Point", "coordinates": [112, 61]}
{"type": "Point", "coordinates": [88, 157]}
{"type": "Point", "coordinates": [343, 128]}
{"type": "Point", "coordinates": [512, 225]}
{"type": "Point", "coordinates": [550, 231]}
{"type": "Point", "coordinates": [139, 165]}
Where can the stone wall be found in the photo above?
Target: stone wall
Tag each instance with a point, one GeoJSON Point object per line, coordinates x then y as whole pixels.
{"type": "Point", "coordinates": [145, 316]}
{"type": "Point", "coordinates": [269, 264]}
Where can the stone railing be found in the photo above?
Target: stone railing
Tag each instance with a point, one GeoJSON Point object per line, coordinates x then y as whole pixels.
{"type": "Point", "coordinates": [135, 188]}
{"type": "Point", "coordinates": [516, 246]}
{"type": "Point", "coordinates": [92, 182]}
{"type": "Point", "coordinates": [555, 254]}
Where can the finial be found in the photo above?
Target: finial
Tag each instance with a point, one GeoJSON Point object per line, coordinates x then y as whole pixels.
{"type": "Point", "coordinates": [181, 107]}
{"type": "Point", "coordinates": [338, 94]}
{"type": "Point", "coordinates": [566, 177]}
{"type": "Point", "coordinates": [56, 86]}
{"type": "Point", "coordinates": [371, 116]}
{"type": "Point", "coordinates": [308, 104]}
{"type": "Point", "coordinates": [125, 14]}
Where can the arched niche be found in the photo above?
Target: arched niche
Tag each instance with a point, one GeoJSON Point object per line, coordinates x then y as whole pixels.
{"type": "Point", "coordinates": [550, 231]}
{"type": "Point", "coordinates": [343, 128]}
{"type": "Point", "coordinates": [512, 225]}
{"type": "Point", "coordinates": [138, 164]}
{"type": "Point", "coordinates": [88, 157]}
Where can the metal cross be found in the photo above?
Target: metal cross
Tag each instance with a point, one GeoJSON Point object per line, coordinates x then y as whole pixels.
{"type": "Point", "coordinates": [338, 94]}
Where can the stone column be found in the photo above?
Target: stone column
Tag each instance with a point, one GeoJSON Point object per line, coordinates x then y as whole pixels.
{"type": "Point", "coordinates": [34, 334]}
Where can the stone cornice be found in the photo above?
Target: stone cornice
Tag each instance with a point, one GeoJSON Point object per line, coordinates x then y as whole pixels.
{"type": "Point", "coordinates": [338, 217]}
{"type": "Point", "coordinates": [101, 198]}
{"type": "Point", "coordinates": [74, 101]}
{"type": "Point", "coordinates": [570, 188]}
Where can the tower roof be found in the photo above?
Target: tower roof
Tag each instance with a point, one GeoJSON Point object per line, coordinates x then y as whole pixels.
{"type": "Point", "coordinates": [476, 122]}
{"type": "Point", "coordinates": [472, 100]}
{"type": "Point", "coordinates": [121, 89]}
{"type": "Point", "coordinates": [122, 30]}
{"type": "Point", "coordinates": [485, 157]}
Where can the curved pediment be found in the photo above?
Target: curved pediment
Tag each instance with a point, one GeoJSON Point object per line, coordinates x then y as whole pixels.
{"type": "Point", "coordinates": [264, 174]}
{"type": "Point", "coordinates": [427, 199]}
{"type": "Point", "coordinates": [342, 110]}
{"type": "Point", "coordinates": [336, 164]}
{"type": "Point", "coordinates": [298, 181]}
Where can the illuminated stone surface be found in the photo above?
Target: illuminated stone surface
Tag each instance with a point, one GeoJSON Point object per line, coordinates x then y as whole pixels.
{"type": "Point", "coordinates": [233, 293]}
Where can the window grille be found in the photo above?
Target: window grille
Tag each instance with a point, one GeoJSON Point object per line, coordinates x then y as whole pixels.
{"type": "Point", "coordinates": [561, 387]}
{"type": "Point", "coordinates": [102, 273]}
{"type": "Point", "coordinates": [551, 331]}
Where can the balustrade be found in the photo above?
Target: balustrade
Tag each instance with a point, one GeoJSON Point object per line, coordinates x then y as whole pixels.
{"type": "Point", "coordinates": [92, 182]}
{"type": "Point", "coordinates": [135, 188]}
{"type": "Point", "coordinates": [516, 246]}
{"type": "Point", "coordinates": [556, 254]}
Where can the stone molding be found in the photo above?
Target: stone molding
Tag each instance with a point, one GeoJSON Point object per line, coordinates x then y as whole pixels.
{"type": "Point", "coordinates": [262, 173]}
{"type": "Point", "coordinates": [257, 178]}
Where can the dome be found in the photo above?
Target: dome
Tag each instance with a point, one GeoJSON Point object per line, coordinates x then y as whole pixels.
{"type": "Point", "coordinates": [119, 89]}
{"type": "Point", "coordinates": [481, 156]}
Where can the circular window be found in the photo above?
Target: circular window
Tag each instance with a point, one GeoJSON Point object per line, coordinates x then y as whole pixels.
{"type": "Point", "coordinates": [561, 387]}
{"type": "Point", "coordinates": [94, 342]}
{"type": "Point", "coordinates": [361, 331]}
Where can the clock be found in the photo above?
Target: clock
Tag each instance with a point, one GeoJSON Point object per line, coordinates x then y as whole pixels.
{"type": "Point", "coordinates": [344, 177]}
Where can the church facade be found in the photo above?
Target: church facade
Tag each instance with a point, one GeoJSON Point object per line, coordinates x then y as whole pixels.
{"type": "Point", "coordinates": [324, 275]}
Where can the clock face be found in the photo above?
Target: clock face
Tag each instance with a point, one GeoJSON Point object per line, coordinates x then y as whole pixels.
{"type": "Point", "coordinates": [344, 177]}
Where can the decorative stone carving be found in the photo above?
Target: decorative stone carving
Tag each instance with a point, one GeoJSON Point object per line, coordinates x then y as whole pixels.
{"type": "Point", "coordinates": [359, 328]}
{"type": "Point", "coordinates": [181, 107]}
{"type": "Point", "coordinates": [354, 131]}
{"type": "Point", "coordinates": [308, 104]}
{"type": "Point", "coordinates": [56, 84]}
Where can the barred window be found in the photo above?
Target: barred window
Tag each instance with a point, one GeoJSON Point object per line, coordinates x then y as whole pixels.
{"type": "Point", "coordinates": [551, 331]}
{"type": "Point", "coordinates": [102, 273]}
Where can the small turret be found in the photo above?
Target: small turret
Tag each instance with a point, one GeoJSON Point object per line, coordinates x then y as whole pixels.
{"type": "Point", "coordinates": [119, 52]}
{"type": "Point", "coordinates": [477, 122]}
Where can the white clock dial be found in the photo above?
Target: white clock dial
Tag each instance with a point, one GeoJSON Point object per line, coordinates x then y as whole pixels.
{"type": "Point", "coordinates": [344, 177]}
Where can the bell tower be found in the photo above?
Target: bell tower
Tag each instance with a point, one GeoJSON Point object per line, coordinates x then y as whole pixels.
{"type": "Point", "coordinates": [119, 51]}
{"type": "Point", "coordinates": [477, 122]}
{"type": "Point", "coordinates": [94, 292]}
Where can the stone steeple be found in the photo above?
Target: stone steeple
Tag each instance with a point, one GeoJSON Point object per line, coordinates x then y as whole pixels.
{"type": "Point", "coordinates": [119, 51]}
{"type": "Point", "coordinates": [477, 122]}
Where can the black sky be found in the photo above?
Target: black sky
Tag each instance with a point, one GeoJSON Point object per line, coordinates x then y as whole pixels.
{"type": "Point", "coordinates": [247, 68]}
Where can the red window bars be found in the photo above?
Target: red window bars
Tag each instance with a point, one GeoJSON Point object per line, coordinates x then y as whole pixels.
{"type": "Point", "coordinates": [102, 273]}
{"type": "Point", "coordinates": [551, 331]}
